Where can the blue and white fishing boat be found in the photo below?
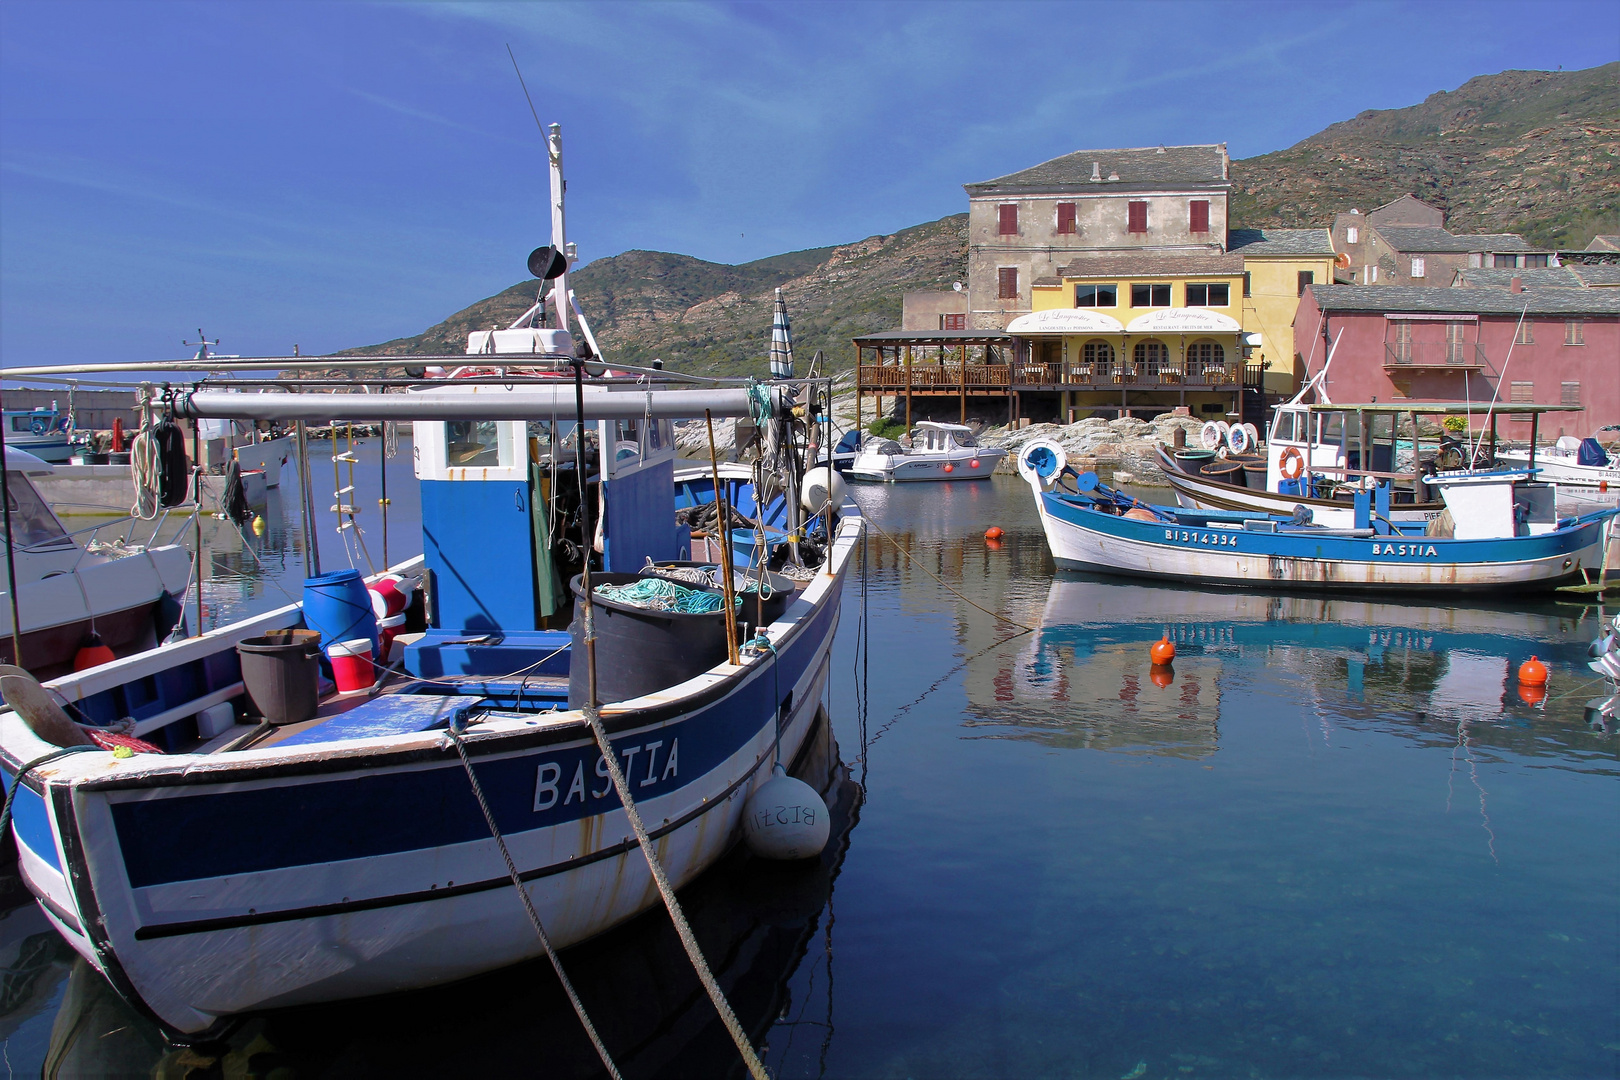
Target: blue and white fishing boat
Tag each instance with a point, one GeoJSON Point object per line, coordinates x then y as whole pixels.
{"type": "Point", "coordinates": [44, 432]}
{"type": "Point", "coordinates": [360, 851]}
{"type": "Point", "coordinates": [1499, 532]}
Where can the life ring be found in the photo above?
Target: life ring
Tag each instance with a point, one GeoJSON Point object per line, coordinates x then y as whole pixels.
{"type": "Point", "coordinates": [1209, 436]}
{"type": "Point", "coordinates": [39, 425]}
{"type": "Point", "coordinates": [1237, 440]}
{"type": "Point", "coordinates": [64, 424]}
{"type": "Point", "coordinates": [1293, 463]}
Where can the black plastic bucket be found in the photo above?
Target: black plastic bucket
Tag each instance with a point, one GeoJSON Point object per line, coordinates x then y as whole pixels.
{"type": "Point", "coordinates": [639, 650]}
{"type": "Point", "coordinates": [1230, 472]}
{"type": "Point", "coordinates": [281, 673]}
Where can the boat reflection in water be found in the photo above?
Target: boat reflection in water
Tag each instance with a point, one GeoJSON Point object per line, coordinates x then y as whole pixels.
{"type": "Point", "coordinates": [1084, 678]}
{"type": "Point", "coordinates": [756, 922]}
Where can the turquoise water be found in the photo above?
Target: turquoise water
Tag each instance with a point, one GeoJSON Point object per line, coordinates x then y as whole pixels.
{"type": "Point", "coordinates": [1336, 842]}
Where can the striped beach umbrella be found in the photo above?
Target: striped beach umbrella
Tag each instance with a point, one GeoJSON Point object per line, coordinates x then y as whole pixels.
{"type": "Point", "coordinates": [781, 341]}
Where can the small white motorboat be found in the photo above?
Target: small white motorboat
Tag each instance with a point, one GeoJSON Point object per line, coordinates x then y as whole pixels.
{"type": "Point", "coordinates": [937, 452]}
{"type": "Point", "coordinates": [1572, 462]}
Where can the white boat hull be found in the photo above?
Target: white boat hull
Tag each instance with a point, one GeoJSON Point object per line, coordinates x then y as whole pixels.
{"type": "Point", "coordinates": [893, 469]}
{"type": "Point", "coordinates": [1564, 471]}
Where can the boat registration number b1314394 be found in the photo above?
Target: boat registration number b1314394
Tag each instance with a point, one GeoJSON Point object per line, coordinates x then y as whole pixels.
{"type": "Point", "coordinates": [1220, 538]}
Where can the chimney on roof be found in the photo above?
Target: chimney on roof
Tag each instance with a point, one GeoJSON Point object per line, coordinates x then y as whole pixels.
{"type": "Point", "coordinates": [1096, 172]}
{"type": "Point", "coordinates": [1113, 176]}
{"type": "Point", "coordinates": [1161, 148]}
{"type": "Point", "coordinates": [1516, 285]}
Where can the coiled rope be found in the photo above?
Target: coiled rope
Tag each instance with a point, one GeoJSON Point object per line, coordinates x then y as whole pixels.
{"type": "Point", "coordinates": [660, 594]}
{"type": "Point", "coordinates": [144, 463]}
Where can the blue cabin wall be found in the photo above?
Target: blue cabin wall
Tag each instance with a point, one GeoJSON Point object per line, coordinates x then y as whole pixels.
{"type": "Point", "coordinates": [477, 540]}
{"type": "Point", "coordinates": [640, 518]}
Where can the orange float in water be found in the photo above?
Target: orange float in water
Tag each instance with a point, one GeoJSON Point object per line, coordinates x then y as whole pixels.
{"type": "Point", "coordinates": [1162, 675]}
{"type": "Point", "coordinates": [1163, 651]}
{"type": "Point", "coordinates": [1532, 673]}
{"type": "Point", "coordinates": [1532, 695]}
{"type": "Point", "coordinates": [993, 533]}
{"type": "Point", "coordinates": [93, 652]}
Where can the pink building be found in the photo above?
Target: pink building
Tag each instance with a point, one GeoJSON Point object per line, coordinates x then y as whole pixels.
{"type": "Point", "coordinates": [1426, 344]}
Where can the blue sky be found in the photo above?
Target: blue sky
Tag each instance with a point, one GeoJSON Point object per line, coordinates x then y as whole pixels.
{"type": "Point", "coordinates": [337, 174]}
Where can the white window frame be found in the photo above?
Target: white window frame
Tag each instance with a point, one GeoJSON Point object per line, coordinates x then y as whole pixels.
{"type": "Point", "coordinates": [1352, 235]}
{"type": "Point", "coordinates": [1419, 267]}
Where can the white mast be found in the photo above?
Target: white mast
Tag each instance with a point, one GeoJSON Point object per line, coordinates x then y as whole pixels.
{"type": "Point", "coordinates": [559, 239]}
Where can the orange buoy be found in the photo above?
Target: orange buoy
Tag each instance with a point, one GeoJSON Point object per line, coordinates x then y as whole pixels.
{"type": "Point", "coordinates": [1162, 675]}
{"type": "Point", "coordinates": [949, 467]}
{"type": "Point", "coordinates": [1163, 651]}
{"type": "Point", "coordinates": [993, 545]}
{"type": "Point", "coordinates": [1603, 486]}
{"type": "Point", "coordinates": [974, 463]}
{"type": "Point", "coordinates": [1532, 673]}
{"type": "Point", "coordinates": [92, 653]}
{"type": "Point", "coordinates": [1532, 695]}
{"type": "Point", "coordinates": [993, 533]}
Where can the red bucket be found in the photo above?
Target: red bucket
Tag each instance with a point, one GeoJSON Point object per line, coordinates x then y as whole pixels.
{"type": "Point", "coordinates": [351, 665]}
{"type": "Point", "coordinates": [390, 628]}
{"type": "Point", "coordinates": [387, 598]}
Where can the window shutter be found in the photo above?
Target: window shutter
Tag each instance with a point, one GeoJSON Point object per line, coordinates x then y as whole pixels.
{"type": "Point", "coordinates": [1066, 218]}
{"type": "Point", "coordinates": [1007, 278]}
{"type": "Point", "coordinates": [1417, 266]}
{"type": "Point", "coordinates": [1198, 216]}
{"type": "Point", "coordinates": [1569, 393]}
{"type": "Point", "coordinates": [1009, 219]}
{"type": "Point", "coordinates": [1136, 217]}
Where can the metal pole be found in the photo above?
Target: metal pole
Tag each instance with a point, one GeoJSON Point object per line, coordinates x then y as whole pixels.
{"type": "Point", "coordinates": [382, 460]}
{"type": "Point", "coordinates": [196, 517]}
{"type": "Point", "coordinates": [11, 566]}
{"type": "Point", "coordinates": [312, 557]}
{"type": "Point", "coordinates": [586, 531]}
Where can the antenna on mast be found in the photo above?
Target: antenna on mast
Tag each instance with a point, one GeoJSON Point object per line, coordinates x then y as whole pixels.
{"type": "Point", "coordinates": [201, 345]}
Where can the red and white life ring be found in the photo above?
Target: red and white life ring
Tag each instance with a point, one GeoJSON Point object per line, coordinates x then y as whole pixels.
{"type": "Point", "coordinates": [1292, 465]}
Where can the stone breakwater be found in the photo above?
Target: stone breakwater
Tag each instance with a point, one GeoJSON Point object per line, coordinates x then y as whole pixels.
{"type": "Point", "coordinates": [1095, 443]}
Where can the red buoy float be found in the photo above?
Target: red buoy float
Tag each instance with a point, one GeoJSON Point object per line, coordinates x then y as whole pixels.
{"type": "Point", "coordinates": [1532, 673]}
{"type": "Point", "coordinates": [974, 463]}
{"type": "Point", "coordinates": [93, 652]}
{"type": "Point", "coordinates": [949, 467]}
{"type": "Point", "coordinates": [993, 533]}
{"type": "Point", "coordinates": [1163, 651]}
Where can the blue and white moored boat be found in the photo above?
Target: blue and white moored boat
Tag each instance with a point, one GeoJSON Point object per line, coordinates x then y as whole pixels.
{"type": "Point", "coordinates": [347, 854]}
{"type": "Point", "coordinates": [1499, 533]}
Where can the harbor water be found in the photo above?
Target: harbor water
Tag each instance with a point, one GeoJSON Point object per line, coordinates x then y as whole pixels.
{"type": "Point", "coordinates": [1334, 838]}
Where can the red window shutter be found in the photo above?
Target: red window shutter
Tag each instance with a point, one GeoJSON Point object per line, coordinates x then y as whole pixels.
{"type": "Point", "coordinates": [956, 322]}
{"type": "Point", "coordinates": [1009, 219]}
{"type": "Point", "coordinates": [1198, 219]}
{"type": "Point", "coordinates": [1137, 221]}
{"type": "Point", "coordinates": [1007, 278]}
{"type": "Point", "coordinates": [1066, 218]}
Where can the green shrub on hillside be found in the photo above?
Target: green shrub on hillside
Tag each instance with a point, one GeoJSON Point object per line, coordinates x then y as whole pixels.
{"type": "Point", "coordinates": [885, 428]}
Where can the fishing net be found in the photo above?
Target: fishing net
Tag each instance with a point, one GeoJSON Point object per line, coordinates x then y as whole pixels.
{"type": "Point", "coordinates": [661, 594]}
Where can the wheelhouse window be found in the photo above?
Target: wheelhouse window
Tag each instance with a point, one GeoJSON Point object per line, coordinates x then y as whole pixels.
{"type": "Point", "coordinates": [1213, 294]}
{"type": "Point", "coordinates": [1136, 217]}
{"type": "Point", "coordinates": [1066, 219]}
{"type": "Point", "coordinates": [32, 522]}
{"type": "Point", "coordinates": [1096, 296]}
{"type": "Point", "coordinates": [477, 444]}
{"type": "Point", "coordinates": [1007, 282]}
{"type": "Point", "coordinates": [1008, 219]}
{"type": "Point", "coordinates": [1150, 295]}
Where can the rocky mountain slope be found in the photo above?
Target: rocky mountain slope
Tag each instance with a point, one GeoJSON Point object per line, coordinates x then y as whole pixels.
{"type": "Point", "coordinates": [1532, 152]}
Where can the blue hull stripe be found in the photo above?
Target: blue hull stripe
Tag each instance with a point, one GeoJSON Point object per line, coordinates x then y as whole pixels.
{"type": "Point", "coordinates": [168, 837]}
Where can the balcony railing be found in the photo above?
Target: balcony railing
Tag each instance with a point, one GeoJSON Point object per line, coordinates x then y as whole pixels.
{"type": "Point", "coordinates": [1455, 355]}
{"type": "Point", "coordinates": [934, 378]}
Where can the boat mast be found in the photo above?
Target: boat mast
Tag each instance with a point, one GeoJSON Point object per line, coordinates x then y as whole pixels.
{"type": "Point", "coordinates": [559, 238]}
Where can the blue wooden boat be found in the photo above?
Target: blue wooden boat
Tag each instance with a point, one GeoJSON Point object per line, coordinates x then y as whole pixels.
{"type": "Point", "coordinates": [1502, 535]}
{"type": "Point", "coordinates": [347, 854]}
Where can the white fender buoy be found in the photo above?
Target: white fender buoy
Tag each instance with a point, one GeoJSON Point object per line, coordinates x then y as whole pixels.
{"type": "Point", "coordinates": [813, 491]}
{"type": "Point", "coordinates": [1254, 436]}
{"type": "Point", "coordinates": [1237, 439]}
{"type": "Point", "coordinates": [786, 819]}
{"type": "Point", "coordinates": [1209, 436]}
{"type": "Point", "coordinates": [1041, 460]}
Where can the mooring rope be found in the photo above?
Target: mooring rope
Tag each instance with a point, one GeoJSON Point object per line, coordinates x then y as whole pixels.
{"type": "Point", "coordinates": [683, 929]}
{"type": "Point", "coordinates": [528, 907]}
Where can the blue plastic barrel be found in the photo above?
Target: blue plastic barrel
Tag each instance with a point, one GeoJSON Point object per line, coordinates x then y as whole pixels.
{"type": "Point", "coordinates": [338, 605]}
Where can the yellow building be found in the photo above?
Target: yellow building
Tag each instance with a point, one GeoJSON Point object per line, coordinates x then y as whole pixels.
{"type": "Point", "coordinates": [1278, 264]}
{"type": "Point", "coordinates": [1142, 332]}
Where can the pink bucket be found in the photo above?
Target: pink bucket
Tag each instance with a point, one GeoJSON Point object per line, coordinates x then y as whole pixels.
{"type": "Point", "coordinates": [351, 665]}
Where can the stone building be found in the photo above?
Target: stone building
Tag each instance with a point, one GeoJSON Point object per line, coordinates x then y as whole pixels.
{"type": "Point", "coordinates": [1405, 242]}
{"type": "Point", "coordinates": [1091, 203]}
